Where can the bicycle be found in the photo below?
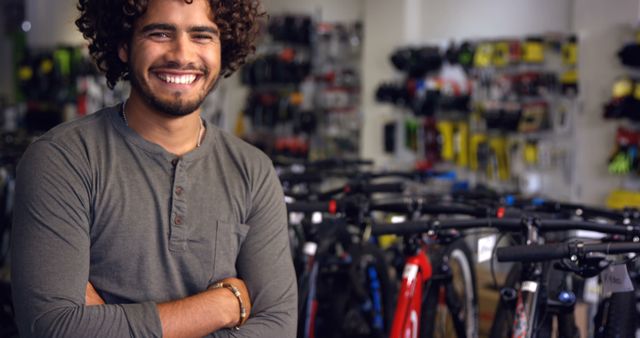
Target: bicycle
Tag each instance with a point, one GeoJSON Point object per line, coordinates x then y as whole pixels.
{"type": "Point", "coordinates": [535, 291]}
{"type": "Point", "coordinates": [586, 259]}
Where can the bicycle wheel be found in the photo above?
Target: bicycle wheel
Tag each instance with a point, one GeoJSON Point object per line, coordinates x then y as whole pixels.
{"type": "Point", "coordinates": [450, 303]}
{"type": "Point", "coordinates": [616, 317]}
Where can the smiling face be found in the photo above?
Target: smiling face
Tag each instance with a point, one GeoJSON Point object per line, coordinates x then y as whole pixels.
{"type": "Point", "coordinates": [173, 56]}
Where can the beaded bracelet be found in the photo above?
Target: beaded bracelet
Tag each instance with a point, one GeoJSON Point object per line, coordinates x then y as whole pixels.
{"type": "Point", "coordinates": [236, 292]}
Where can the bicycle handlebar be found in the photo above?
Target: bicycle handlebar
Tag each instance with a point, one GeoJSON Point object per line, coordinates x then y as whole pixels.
{"type": "Point", "coordinates": [405, 206]}
{"type": "Point", "coordinates": [364, 188]}
{"type": "Point", "coordinates": [545, 252]}
{"type": "Point", "coordinates": [444, 209]}
{"type": "Point", "coordinates": [382, 187]}
{"type": "Point", "coordinates": [400, 206]}
{"type": "Point", "coordinates": [502, 224]}
{"type": "Point", "coordinates": [301, 178]}
{"type": "Point", "coordinates": [321, 206]}
{"type": "Point", "coordinates": [324, 164]}
{"type": "Point", "coordinates": [413, 227]}
{"type": "Point", "coordinates": [554, 224]}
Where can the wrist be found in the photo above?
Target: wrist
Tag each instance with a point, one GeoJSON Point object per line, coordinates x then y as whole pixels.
{"type": "Point", "coordinates": [241, 306]}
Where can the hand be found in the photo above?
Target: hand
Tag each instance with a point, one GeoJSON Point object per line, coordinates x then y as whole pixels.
{"type": "Point", "coordinates": [91, 296]}
{"type": "Point", "coordinates": [244, 294]}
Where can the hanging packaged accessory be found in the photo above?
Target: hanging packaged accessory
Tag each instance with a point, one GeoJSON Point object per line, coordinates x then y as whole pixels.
{"type": "Point", "coordinates": [533, 50]}
{"type": "Point", "coordinates": [501, 56]}
{"type": "Point", "coordinates": [446, 130]}
{"type": "Point", "coordinates": [483, 55]}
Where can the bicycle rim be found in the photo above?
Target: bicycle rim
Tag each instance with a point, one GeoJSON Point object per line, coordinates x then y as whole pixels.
{"type": "Point", "coordinates": [456, 298]}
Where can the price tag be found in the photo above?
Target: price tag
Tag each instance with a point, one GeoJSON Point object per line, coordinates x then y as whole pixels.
{"type": "Point", "coordinates": [485, 248]}
{"type": "Point", "coordinates": [616, 279]}
{"type": "Point", "coordinates": [310, 248]}
{"type": "Point", "coordinates": [296, 217]}
{"type": "Point", "coordinates": [529, 286]}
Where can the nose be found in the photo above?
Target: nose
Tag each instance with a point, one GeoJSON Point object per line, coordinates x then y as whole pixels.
{"type": "Point", "coordinates": [181, 51]}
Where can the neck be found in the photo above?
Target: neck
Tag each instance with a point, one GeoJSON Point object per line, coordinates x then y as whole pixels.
{"type": "Point", "coordinates": [176, 134]}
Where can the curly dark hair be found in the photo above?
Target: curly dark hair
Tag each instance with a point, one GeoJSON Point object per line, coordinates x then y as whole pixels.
{"type": "Point", "coordinates": [107, 24]}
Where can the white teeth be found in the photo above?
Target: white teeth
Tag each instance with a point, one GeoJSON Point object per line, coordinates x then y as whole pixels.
{"type": "Point", "coordinates": [182, 79]}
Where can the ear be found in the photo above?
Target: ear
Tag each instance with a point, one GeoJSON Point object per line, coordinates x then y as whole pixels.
{"type": "Point", "coordinates": [123, 53]}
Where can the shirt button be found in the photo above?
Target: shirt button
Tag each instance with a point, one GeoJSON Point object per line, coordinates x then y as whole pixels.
{"type": "Point", "coordinates": [179, 190]}
{"type": "Point", "coordinates": [174, 162]}
{"type": "Point", "coordinates": [177, 220]}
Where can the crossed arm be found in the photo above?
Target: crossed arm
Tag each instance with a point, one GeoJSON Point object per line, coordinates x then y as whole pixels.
{"type": "Point", "coordinates": [197, 315]}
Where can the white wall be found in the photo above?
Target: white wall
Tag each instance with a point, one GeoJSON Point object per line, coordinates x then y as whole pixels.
{"type": "Point", "coordinates": [598, 15]}
{"type": "Point", "coordinates": [494, 18]}
{"type": "Point", "coordinates": [383, 32]}
{"type": "Point", "coordinates": [52, 23]}
{"type": "Point", "coordinates": [602, 29]}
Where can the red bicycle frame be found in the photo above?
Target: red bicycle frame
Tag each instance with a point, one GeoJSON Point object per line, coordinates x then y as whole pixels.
{"type": "Point", "coordinates": [406, 319]}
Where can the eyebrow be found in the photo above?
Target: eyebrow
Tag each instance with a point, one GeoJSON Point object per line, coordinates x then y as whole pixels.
{"type": "Point", "coordinates": [158, 26]}
{"type": "Point", "coordinates": [172, 28]}
{"type": "Point", "coordinates": [204, 29]}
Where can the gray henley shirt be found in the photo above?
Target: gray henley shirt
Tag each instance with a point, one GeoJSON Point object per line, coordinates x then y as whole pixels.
{"type": "Point", "coordinates": [95, 201]}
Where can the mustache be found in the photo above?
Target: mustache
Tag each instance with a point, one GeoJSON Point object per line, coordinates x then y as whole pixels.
{"type": "Point", "coordinates": [177, 66]}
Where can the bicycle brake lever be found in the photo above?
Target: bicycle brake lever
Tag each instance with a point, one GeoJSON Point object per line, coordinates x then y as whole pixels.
{"type": "Point", "coordinates": [589, 266]}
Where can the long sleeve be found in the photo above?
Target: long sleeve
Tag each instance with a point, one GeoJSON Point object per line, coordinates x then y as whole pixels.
{"type": "Point", "coordinates": [51, 253]}
{"type": "Point", "coordinates": [265, 264]}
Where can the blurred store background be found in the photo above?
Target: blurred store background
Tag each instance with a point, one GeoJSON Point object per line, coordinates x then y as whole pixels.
{"type": "Point", "coordinates": [537, 97]}
{"type": "Point", "coordinates": [322, 85]}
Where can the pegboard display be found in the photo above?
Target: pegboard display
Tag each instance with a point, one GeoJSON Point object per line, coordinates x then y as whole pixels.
{"type": "Point", "coordinates": [304, 85]}
{"type": "Point", "coordinates": [499, 110]}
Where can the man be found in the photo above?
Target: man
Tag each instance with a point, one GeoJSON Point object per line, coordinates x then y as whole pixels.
{"type": "Point", "coordinates": [141, 220]}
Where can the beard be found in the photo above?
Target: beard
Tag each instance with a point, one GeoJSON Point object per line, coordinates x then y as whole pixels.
{"type": "Point", "coordinates": [178, 105]}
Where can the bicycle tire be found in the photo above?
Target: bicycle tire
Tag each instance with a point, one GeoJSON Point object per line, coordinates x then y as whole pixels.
{"type": "Point", "coordinates": [620, 317]}
{"type": "Point", "coordinates": [459, 253]}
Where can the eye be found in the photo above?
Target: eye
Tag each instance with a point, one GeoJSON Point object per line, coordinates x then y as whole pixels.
{"type": "Point", "coordinates": [204, 38]}
{"type": "Point", "coordinates": [159, 35]}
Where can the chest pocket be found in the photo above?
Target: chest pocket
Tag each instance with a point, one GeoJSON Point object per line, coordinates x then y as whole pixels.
{"type": "Point", "coordinates": [229, 239]}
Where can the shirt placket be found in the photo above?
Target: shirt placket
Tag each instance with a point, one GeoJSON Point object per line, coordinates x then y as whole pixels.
{"type": "Point", "coordinates": [178, 233]}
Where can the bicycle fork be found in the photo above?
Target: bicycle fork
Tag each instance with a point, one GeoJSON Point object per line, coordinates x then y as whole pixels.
{"type": "Point", "coordinates": [406, 319]}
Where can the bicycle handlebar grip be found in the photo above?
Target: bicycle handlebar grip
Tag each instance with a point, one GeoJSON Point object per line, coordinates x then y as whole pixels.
{"type": "Point", "coordinates": [324, 206]}
{"type": "Point", "coordinates": [532, 253]}
{"type": "Point", "coordinates": [454, 210]}
{"type": "Point", "coordinates": [613, 248]}
{"type": "Point", "coordinates": [331, 163]}
{"type": "Point", "coordinates": [400, 207]}
{"type": "Point", "coordinates": [404, 228]}
{"type": "Point", "coordinates": [383, 187]}
{"type": "Point", "coordinates": [301, 178]}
